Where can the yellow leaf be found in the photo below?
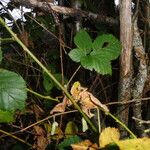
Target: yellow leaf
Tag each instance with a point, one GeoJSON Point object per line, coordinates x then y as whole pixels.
{"type": "Point", "coordinates": [108, 135]}
{"type": "Point", "coordinates": [84, 145]}
{"type": "Point", "coordinates": [75, 90]}
{"type": "Point", "coordinates": [71, 129]}
{"type": "Point", "coordinates": [134, 144]}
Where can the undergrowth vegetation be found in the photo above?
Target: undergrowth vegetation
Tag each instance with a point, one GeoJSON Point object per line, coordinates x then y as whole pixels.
{"type": "Point", "coordinates": [56, 85]}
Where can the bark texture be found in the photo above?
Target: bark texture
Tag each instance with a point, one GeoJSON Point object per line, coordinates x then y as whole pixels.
{"type": "Point", "coordinates": [140, 78]}
{"type": "Point", "coordinates": [124, 92]}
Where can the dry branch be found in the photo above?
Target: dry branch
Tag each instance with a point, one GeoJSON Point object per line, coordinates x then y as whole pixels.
{"type": "Point", "coordinates": [141, 121]}
{"type": "Point", "coordinates": [67, 11]}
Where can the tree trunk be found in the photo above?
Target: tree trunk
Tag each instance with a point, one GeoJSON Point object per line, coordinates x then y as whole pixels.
{"type": "Point", "coordinates": [124, 92]}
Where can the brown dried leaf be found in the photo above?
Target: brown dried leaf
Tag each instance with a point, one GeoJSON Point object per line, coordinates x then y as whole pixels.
{"type": "Point", "coordinates": [84, 145]}
{"type": "Point", "coordinates": [37, 110]}
{"type": "Point", "coordinates": [88, 102]}
{"type": "Point", "coordinates": [60, 107]}
{"type": "Point", "coordinates": [86, 99]}
{"type": "Point", "coordinates": [98, 103]}
{"type": "Point", "coordinates": [41, 138]}
{"type": "Point", "coordinates": [24, 36]}
{"type": "Point", "coordinates": [109, 135]}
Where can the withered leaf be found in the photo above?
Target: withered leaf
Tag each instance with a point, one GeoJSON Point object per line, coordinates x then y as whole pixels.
{"type": "Point", "coordinates": [41, 138]}
{"type": "Point", "coordinates": [109, 135]}
{"type": "Point", "coordinates": [84, 145]}
{"type": "Point", "coordinates": [60, 107]}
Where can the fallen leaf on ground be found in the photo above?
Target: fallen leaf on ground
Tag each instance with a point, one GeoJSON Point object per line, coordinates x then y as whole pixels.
{"type": "Point", "coordinates": [109, 135]}
{"type": "Point", "coordinates": [84, 145]}
{"type": "Point", "coordinates": [41, 138]}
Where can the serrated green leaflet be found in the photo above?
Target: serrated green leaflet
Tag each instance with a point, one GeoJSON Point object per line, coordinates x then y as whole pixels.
{"type": "Point", "coordinates": [47, 82]}
{"type": "Point", "coordinates": [107, 46]}
{"type": "Point", "coordinates": [12, 91]}
{"type": "Point", "coordinates": [104, 49]}
{"type": "Point", "coordinates": [76, 54]}
{"type": "Point", "coordinates": [92, 62]}
{"type": "Point", "coordinates": [83, 41]}
{"type": "Point", "coordinates": [6, 116]}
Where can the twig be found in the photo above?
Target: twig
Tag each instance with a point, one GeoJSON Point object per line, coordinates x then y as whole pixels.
{"type": "Point", "coordinates": [128, 102]}
{"type": "Point", "coordinates": [141, 121]}
{"type": "Point", "coordinates": [73, 75]}
{"type": "Point", "coordinates": [40, 121]}
{"type": "Point", "coordinates": [15, 137]}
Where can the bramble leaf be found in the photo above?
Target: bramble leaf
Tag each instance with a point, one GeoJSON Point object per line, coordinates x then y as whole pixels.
{"type": "Point", "coordinates": [6, 116]}
{"type": "Point", "coordinates": [93, 62]}
{"type": "Point", "coordinates": [83, 41]}
{"type": "Point", "coordinates": [12, 91]}
{"type": "Point", "coordinates": [76, 54]}
{"type": "Point", "coordinates": [106, 46]}
{"type": "Point", "coordinates": [98, 57]}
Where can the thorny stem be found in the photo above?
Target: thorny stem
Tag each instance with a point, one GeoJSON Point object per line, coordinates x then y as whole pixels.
{"type": "Point", "coordinates": [49, 74]}
{"type": "Point", "coordinates": [122, 124]}
{"type": "Point", "coordinates": [15, 137]}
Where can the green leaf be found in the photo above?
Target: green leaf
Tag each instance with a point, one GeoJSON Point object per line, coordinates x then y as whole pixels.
{"type": "Point", "coordinates": [67, 142]}
{"type": "Point", "coordinates": [12, 91]}
{"type": "Point", "coordinates": [71, 129]}
{"type": "Point", "coordinates": [107, 46]}
{"type": "Point", "coordinates": [76, 54]}
{"type": "Point", "coordinates": [0, 55]}
{"type": "Point", "coordinates": [93, 62]}
{"type": "Point", "coordinates": [58, 76]}
{"type": "Point", "coordinates": [47, 82]}
{"type": "Point", "coordinates": [6, 116]}
{"type": "Point", "coordinates": [83, 41]}
{"type": "Point", "coordinates": [104, 49]}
